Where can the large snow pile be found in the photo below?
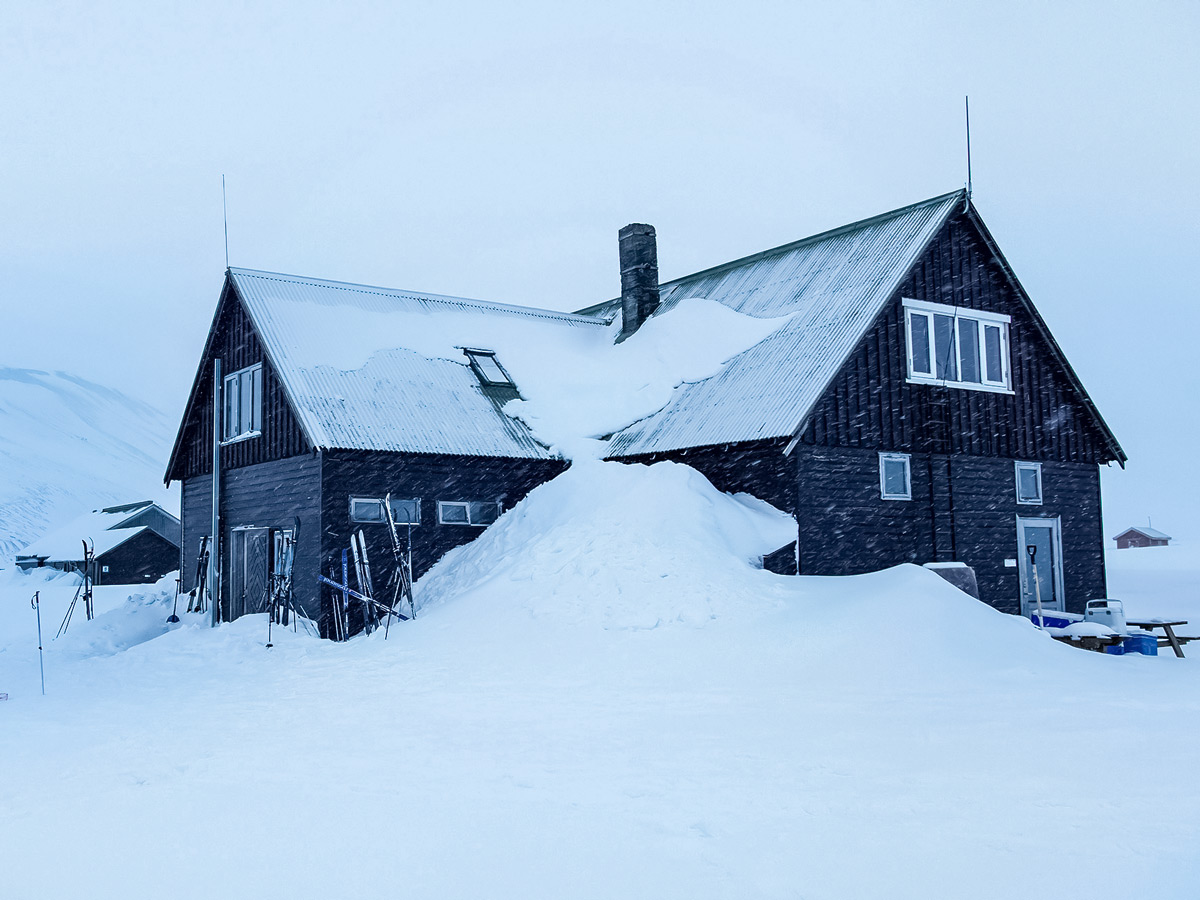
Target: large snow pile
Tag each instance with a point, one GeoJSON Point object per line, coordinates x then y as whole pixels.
{"type": "Point", "coordinates": [67, 446]}
{"type": "Point", "coordinates": [625, 546]}
{"type": "Point", "coordinates": [532, 734]}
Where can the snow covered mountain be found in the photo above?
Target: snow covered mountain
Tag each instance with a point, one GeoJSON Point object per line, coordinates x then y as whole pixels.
{"type": "Point", "coordinates": [68, 445]}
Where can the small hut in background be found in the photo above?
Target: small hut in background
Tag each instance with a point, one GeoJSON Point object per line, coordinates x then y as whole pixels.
{"type": "Point", "coordinates": [1141, 536]}
{"type": "Point", "coordinates": [137, 543]}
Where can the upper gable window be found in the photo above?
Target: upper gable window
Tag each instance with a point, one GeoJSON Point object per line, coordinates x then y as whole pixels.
{"type": "Point", "coordinates": [957, 347]}
{"type": "Point", "coordinates": [487, 368]}
{"type": "Point", "coordinates": [1029, 483]}
{"type": "Point", "coordinates": [895, 476]}
{"type": "Point", "coordinates": [243, 404]}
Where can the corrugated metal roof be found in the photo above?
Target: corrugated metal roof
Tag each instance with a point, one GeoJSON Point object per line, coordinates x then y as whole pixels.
{"type": "Point", "coordinates": [1147, 531]}
{"type": "Point", "coordinates": [373, 368]}
{"type": "Point", "coordinates": [832, 286]}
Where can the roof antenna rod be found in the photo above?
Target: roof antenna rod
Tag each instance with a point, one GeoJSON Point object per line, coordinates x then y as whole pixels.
{"type": "Point", "coordinates": [967, 106]}
{"type": "Point", "coordinates": [225, 216]}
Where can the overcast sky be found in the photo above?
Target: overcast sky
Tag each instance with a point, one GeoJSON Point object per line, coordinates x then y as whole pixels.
{"type": "Point", "coordinates": [493, 150]}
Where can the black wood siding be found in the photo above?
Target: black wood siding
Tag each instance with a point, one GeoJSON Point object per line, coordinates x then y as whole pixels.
{"type": "Point", "coordinates": [427, 477]}
{"type": "Point", "coordinates": [143, 559]}
{"type": "Point", "coordinates": [269, 495]}
{"type": "Point", "coordinates": [963, 509]}
{"type": "Point", "coordinates": [871, 404]}
{"type": "Point", "coordinates": [235, 343]}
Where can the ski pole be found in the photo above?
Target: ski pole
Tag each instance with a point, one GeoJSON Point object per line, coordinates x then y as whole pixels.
{"type": "Point", "coordinates": [37, 605]}
{"type": "Point", "coordinates": [175, 608]}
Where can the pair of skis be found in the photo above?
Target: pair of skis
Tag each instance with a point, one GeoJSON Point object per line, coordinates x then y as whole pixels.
{"type": "Point", "coordinates": [196, 597]}
{"type": "Point", "coordinates": [362, 574]}
{"type": "Point", "coordinates": [84, 590]}
{"type": "Point", "coordinates": [279, 600]}
{"type": "Point", "coordinates": [401, 583]}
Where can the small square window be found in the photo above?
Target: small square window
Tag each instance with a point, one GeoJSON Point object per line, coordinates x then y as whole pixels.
{"type": "Point", "coordinates": [1029, 483]}
{"type": "Point", "coordinates": [895, 479]}
{"type": "Point", "coordinates": [366, 509]}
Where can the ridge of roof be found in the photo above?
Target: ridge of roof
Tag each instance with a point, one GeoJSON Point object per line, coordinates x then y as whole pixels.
{"type": "Point", "coordinates": [788, 247]}
{"type": "Point", "coordinates": [128, 507]}
{"type": "Point", "coordinates": [423, 296]}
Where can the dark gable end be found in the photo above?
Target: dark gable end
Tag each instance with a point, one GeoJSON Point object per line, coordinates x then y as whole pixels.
{"type": "Point", "coordinates": [870, 403]}
{"type": "Point", "coordinates": [233, 340]}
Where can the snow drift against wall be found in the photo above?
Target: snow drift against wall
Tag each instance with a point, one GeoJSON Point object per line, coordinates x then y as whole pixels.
{"type": "Point", "coordinates": [624, 546]}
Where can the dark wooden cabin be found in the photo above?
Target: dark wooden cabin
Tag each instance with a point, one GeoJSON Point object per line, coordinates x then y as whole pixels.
{"type": "Point", "coordinates": [1141, 536]}
{"type": "Point", "coordinates": [911, 407]}
{"type": "Point", "coordinates": [318, 445]}
{"type": "Point", "coordinates": [887, 449]}
{"type": "Point", "coordinates": [135, 543]}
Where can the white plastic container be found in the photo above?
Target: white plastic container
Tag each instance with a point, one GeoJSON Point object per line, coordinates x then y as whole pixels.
{"type": "Point", "coordinates": [1109, 613]}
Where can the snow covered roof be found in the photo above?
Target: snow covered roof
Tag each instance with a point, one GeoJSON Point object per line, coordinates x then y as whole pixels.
{"type": "Point", "coordinates": [832, 285]}
{"type": "Point", "coordinates": [101, 526]}
{"type": "Point", "coordinates": [739, 352]}
{"type": "Point", "coordinates": [380, 369]}
{"type": "Point", "coordinates": [1147, 531]}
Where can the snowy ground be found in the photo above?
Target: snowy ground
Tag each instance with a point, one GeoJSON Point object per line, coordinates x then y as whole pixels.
{"type": "Point", "coordinates": [648, 716]}
{"type": "Point", "coordinates": [1157, 581]}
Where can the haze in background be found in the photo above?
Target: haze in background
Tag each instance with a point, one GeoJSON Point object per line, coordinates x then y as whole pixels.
{"type": "Point", "coordinates": [493, 151]}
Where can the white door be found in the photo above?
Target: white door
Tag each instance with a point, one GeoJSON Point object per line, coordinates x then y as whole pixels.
{"type": "Point", "coordinates": [1039, 551]}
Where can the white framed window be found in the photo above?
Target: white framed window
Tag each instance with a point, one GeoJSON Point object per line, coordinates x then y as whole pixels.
{"type": "Point", "coordinates": [243, 404]}
{"type": "Point", "coordinates": [895, 476]}
{"type": "Point", "coordinates": [468, 512]}
{"type": "Point", "coordinates": [957, 347]}
{"type": "Point", "coordinates": [371, 509]}
{"type": "Point", "coordinates": [1029, 483]}
{"type": "Point", "coordinates": [366, 509]}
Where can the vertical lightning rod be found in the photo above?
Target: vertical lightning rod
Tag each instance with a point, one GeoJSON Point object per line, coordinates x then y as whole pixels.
{"type": "Point", "coordinates": [225, 216]}
{"type": "Point", "coordinates": [214, 543]}
{"type": "Point", "coordinates": [967, 106]}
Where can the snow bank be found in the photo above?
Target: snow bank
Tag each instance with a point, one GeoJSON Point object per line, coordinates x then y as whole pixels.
{"type": "Point", "coordinates": [1157, 581]}
{"type": "Point", "coordinates": [624, 546]}
{"type": "Point", "coordinates": [126, 616]}
{"type": "Point", "coordinates": [533, 733]}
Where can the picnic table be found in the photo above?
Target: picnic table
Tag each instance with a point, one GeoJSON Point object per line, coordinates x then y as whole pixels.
{"type": "Point", "coordinates": [1173, 640]}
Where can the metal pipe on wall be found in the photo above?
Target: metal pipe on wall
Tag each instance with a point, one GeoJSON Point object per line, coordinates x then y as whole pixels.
{"type": "Point", "coordinates": [214, 549]}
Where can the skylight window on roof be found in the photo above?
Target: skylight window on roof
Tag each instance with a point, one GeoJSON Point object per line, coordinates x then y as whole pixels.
{"type": "Point", "coordinates": [487, 368]}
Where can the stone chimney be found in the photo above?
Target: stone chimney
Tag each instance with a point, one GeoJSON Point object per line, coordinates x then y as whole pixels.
{"type": "Point", "coordinates": [639, 276]}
